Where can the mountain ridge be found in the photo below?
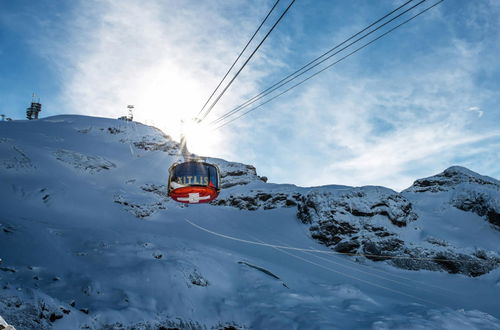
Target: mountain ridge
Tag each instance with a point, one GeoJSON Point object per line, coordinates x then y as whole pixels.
{"type": "Point", "coordinates": [89, 238]}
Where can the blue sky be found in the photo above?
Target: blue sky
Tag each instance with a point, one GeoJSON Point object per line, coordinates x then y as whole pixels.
{"type": "Point", "coordinates": [417, 101]}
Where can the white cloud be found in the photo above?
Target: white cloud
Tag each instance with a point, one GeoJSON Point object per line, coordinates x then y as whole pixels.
{"type": "Point", "coordinates": [346, 126]}
{"type": "Point", "coordinates": [165, 57]}
{"type": "Point", "coordinates": [384, 130]}
{"type": "Point", "coordinates": [476, 109]}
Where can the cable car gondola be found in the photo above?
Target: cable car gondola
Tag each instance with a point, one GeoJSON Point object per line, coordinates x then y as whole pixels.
{"type": "Point", "coordinates": [193, 182]}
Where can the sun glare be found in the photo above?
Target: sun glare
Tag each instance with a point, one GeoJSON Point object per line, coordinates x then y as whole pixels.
{"type": "Point", "coordinates": [200, 138]}
{"type": "Point", "coordinates": [165, 97]}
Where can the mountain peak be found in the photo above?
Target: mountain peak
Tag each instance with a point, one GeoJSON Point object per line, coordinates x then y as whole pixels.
{"type": "Point", "coordinates": [450, 178]}
{"type": "Point", "coordinates": [90, 239]}
{"type": "Point", "coordinates": [456, 170]}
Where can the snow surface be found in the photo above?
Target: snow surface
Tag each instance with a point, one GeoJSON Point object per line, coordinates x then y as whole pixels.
{"type": "Point", "coordinates": [88, 239]}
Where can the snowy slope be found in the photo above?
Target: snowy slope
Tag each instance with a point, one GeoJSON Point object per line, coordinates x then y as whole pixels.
{"type": "Point", "coordinates": [88, 239]}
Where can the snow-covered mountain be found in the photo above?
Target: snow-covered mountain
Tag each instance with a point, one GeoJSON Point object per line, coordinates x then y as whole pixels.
{"type": "Point", "coordinates": [89, 240]}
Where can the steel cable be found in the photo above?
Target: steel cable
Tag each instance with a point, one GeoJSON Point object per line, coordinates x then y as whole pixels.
{"type": "Point", "coordinates": [241, 53]}
{"type": "Point", "coordinates": [330, 65]}
{"type": "Point", "coordinates": [245, 63]}
{"type": "Point", "coordinates": [229, 113]}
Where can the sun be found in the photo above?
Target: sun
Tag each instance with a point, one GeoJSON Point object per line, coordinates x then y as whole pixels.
{"type": "Point", "coordinates": [200, 137]}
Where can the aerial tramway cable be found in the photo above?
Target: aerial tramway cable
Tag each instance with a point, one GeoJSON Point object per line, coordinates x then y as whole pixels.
{"type": "Point", "coordinates": [237, 59]}
{"type": "Point", "coordinates": [329, 66]}
{"type": "Point", "coordinates": [329, 252]}
{"type": "Point", "coordinates": [390, 289]}
{"type": "Point", "coordinates": [372, 283]}
{"type": "Point", "coordinates": [371, 273]}
{"type": "Point", "coordinates": [245, 63]}
{"type": "Point", "coordinates": [311, 62]}
{"type": "Point", "coordinates": [288, 250]}
{"type": "Point", "coordinates": [194, 181]}
{"type": "Point", "coordinates": [287, 79]}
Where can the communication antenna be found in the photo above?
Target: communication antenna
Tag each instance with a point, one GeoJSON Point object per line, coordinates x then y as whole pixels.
{"type": "Point", "coordinates": [35, 108]}
{"type": "Point", "coordinates": [130, 108]}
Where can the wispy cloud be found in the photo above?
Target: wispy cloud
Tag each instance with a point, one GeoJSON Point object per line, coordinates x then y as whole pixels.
{"type": "Point", "coordinates": [477, 110]}
{"type": "Point", "coordinates": [163, 57]}
{"type": "Point", "coordinates": [388, 115]}
{"type": "Point", "coordinates": [387, 128]}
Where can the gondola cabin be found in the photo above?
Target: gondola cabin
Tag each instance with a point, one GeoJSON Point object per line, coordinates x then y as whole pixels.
{"type": "Point", "coordinates": [193, 182]}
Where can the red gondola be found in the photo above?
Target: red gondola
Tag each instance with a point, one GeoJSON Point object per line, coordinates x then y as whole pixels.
{"type": "Point", "coordinates": [193, 182]}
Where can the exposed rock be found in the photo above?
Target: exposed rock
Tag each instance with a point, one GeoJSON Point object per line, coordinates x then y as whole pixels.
{"type": "Point", "coordinates": [142, 210]}
{"type": "Point", "coordinates": [258, 200]}
{"type": "Point", "coordinates": [382, 250]}
{"type": "Point", "coordinates": [451, 177]}
{"type": "Point", "coordinates": [160, 190]}
{"type": "Point", "coordinates": [87, 163]}
{"type": "Point", "coordinates": [167, 324]}
{"type": "Point", "coordinates": [13, 157]}
{"type": "Point", "coordinates": [366, 202]}
{"type": "Point", "coordinates": [169, 147]}
{"type": "Point", "coordinates": [27, 314]}
{"type": "Point", "coordinates": [7, 228]}
{"type": "Point", "coordinates": [468, 265]}
{"type": "Point", "coordinates": [145, 201]}
{"type": "Point", "coordinates": [363, 221]}
{"type": "Point", "coordinates": [436, 241]}
{"type": "Point", "coordinates": [234, 174]}
{"type": "Point", "coordinates": [155, 142]}
{"type": "Point", "coordinates": [196, 279]}
{"type": "Point", "coordinates": [338, 219]}
{"type": "Point", "coordinates": [347, 247]}
{"type": "Point", "coordinates": [485, 204]}
{"type": "Point", "coordinates": [55, 316]}
{"type": "Point", "coordinates": [114, 130]}
{"type": "Point", "coordinates": [157, 255]}
{"type": "Point", "coordinates": [470, 191]}
{"type": "Point", "coordinates": [8, 269]}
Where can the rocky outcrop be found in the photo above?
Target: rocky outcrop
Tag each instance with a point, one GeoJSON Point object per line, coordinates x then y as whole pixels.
{"type": "Point", "coordinates": [370, 222]}
{"type": "Point", "coordinates": [357, 218]}
{"type": "Point", "coordinates": [159, 142]}
{"type": "Point", "coordinates": [451, 178]}
{"type": "Point", "coordinates": [87, 163]}
{"type": "Point", "coordinates": [373, 221]}
{"type": "Point", "coordinates": [235, 174]}
{"type": "Point", "coordinates": [484, 204]}
{"type": "Point", "coordinates": [31, 314]}
{"type": "Point", "coordinates": [12, 157]}
{"type": "Point", "coordinates": [143, 201]}
{"type": "Point", "coordinates": [259, 200]}
{"type": "Point", "coordinates": [364, 203]}
{"type": "Point", "coordinates": [468, 191]}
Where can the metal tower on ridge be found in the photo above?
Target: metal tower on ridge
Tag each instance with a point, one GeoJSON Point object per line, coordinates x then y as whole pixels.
{"type": "Point", "coordinates": [35, 108]}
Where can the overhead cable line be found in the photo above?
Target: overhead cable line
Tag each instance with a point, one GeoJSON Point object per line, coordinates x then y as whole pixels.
{"type": "Point", "coordinates": [330, 65]}
{"type": "Point", "coordinates": [297, 74]}
{"type": "Point", "coordinates": [245, 63]}
{"type": "Point", "coordinates": [329, 252]}
{"type": "Point", "coordinates": [229, 113]}
{"type": "Point", "coordinates": [241, 53]}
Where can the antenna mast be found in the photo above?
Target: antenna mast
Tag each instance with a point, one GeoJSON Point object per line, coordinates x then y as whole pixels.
{"type": "Point", "coordinates": [35, 108]}
{"type": "Point", "coordinates": [130, 108]}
